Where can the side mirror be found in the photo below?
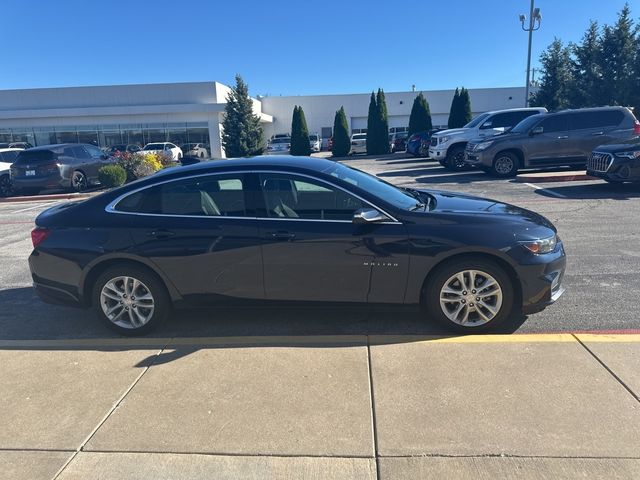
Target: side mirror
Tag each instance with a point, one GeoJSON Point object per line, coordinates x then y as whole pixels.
{"type": "Point", "coordinates": [537, 131]}
{"type": "Point", "coordinates": [368, 215]}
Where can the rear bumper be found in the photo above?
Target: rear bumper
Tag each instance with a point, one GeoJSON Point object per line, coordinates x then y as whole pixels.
{"type": "Point", "coordinates": [40, 183]}
{"type": "Point", "coordinates": [56, 296]}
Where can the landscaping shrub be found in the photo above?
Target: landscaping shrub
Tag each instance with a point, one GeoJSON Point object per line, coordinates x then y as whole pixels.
{"type": "Point", "coordinates": [112, 176]}
{"type": "Point", "coordinates": [341, 140]}
{"type": "Point", "coordinates": [138, 165]}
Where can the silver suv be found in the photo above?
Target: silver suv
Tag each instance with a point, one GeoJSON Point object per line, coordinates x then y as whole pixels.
{"type": "Point", "coordinates": [553, 139]}
{"type": "Point", "coordinates": [447, 146]}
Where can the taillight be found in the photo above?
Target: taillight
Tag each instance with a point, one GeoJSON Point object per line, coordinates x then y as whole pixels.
{"type": "Point", "coordinates": [38, 235]}
{"type": "Point", "coordinates": [636, 128]}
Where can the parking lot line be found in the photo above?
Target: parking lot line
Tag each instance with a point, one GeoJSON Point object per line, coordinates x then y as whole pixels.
{"type": "Point", "coordinates": [33, 207]}
{"type": "Point", "coordinates": [550, 192]}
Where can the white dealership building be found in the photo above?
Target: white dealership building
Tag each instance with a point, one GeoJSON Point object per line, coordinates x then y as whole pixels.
{"type": "Point", "coordinates": [193, 112]}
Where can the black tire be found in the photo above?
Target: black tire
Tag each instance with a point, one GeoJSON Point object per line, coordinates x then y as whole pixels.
{"type": "Point", "coordinates": [150, 283]}
{"type": "Point", "coordinates": [443, 162]}
{"type": "Point", "coordinates": [201, 155]}
{"type": "Point", "coordinates": [502, 162]}
{"type": "Point", "coordinates": [79, 181]}
{"type": "Point", "coordinates": [436, 282]}
{"type": "Point", "coordinates": [423, 151]}
{"type": "Point", "coordinates": [455, 159]}
{"type": "Point", "coordinates": [5, 186]}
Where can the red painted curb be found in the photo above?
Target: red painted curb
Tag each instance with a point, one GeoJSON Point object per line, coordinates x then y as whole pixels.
{"type": "Point", "coordinates": [571, 177]}
{"type": "Point", "coordinates": [37, 198]}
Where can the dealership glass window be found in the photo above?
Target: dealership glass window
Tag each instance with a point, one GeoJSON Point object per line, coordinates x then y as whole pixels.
{"type": "Point", "coordinates": [198, 135]}
{"type": "Point", "coordinates": [88, 134]}
{"type": "Point", "coordinates": [23, 136]}
{"type": "Point", "coordinates": [5, 135]}
{"type": "Point", "coordinates": [66, 135]}
{"type": "Point", "coordinates": [44, 136]}
{"type": "Point", "coordinates": [327, 132]}
{"type": "Point", "coordinates": [155, 133]}
{"type": "Point", "coordinates": [177, 133]}
{"type": "Point", "coordinates": [109, 136]}
{"type": "Point", "coordinates": [132, 134]}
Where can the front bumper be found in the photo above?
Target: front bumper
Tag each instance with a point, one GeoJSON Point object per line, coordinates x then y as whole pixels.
{"type": "Point", "coordinates": [477, 159]}
{"type": "Point", "coordinates": [621, 170]}
{"type": "Point", "coordinates": [437, 152]}
{"type": "Point", "coordinates": [541, 280]}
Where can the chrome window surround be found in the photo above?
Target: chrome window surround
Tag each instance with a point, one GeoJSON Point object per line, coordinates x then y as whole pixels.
{"type": "Point", "coordinates": [111, 207]}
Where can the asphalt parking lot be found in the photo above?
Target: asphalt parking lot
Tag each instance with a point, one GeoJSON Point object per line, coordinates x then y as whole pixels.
{"type": "Point", "coordinates": [597, 222]}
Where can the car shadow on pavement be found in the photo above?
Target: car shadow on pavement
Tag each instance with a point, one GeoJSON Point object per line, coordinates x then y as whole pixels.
{"type": "Point", "coordinates": [592, 191]}
{"type": "Point", "coordinates": [25, 317]}
{"type": "Point", "coordinates": [446, 176]}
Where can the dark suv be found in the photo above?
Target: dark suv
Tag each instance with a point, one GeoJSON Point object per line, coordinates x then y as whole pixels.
{"type": "Point", "coordinates": [553, 139]}
{"type": "Point", "coordinates": [69, 166]}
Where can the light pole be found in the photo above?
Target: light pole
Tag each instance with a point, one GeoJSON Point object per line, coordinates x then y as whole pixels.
{"type": "Point", "coordinates": [534, 24]}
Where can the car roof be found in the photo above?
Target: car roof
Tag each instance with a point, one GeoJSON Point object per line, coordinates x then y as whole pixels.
{"type": "Point", "coordinates": [591, 109]}
{"type": "Point", "coordinates": [57, 145]}
{"type": "Point", "coordinates": [533, 109]}
{"type": "Point", "coordinates": [11, 149]}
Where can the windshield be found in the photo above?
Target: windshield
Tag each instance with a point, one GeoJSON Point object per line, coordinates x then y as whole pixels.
{"type": "Point", "coordinates": [373, 185]}
{"type": "Point", "coordinates": [477, 121]}
{"type": "Point", "coordinates": [313, 138]}
{"type": "Point", "coordinates": [360, 136]}
{"type": "Point", "coordinates": [281, 140]}
{"type": "Point", "coordinates": [154, 146]}
{"type": "Point", "coordinates": [527, 124]}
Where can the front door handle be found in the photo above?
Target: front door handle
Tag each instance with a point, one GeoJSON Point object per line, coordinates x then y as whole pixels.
{"type": "Point", "coordinates": [160, 233]}
{"type": "Point", "coordinates": [597, 133]}
{"type": "Point", "coordinates": [282, 235]}
{"type": "Point", "coordinates": [562, 137]}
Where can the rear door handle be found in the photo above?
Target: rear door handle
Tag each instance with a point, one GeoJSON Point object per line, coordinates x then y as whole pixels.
{"type": "Point", "coordinates": [562, 137]}
{"type": "Point", "coordinates": [161, 233]}
{"type": "Point", "coordinates": [282, 235]}
{"type": "Point", "coordinates": [597, 133]}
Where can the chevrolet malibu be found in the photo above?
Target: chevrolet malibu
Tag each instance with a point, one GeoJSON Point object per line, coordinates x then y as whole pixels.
{"type": "Point", "coordinates": [290, 229]}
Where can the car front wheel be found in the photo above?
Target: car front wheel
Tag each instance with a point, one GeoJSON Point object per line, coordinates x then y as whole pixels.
{"type": "Point", "coordinates": [455, 159]}
{"type": "Point", "coordinates": [130, 300]}
{"type": "Point", "coordinates": [505, 165]}
{"type": "Point", "coordinates": [470, 296]}
{"type": "Point", "coordinates": [5, 186]}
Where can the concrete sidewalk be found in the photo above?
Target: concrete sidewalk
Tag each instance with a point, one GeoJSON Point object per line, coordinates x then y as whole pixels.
{"type": "Point", "coordinates": [494, 406]}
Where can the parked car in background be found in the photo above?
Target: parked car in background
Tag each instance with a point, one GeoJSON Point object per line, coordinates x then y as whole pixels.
{"type": "Point", "coordinates": [564, 138]}
{"type": "Point", "coordinates": [23, 145]}
{"type": "Point", "coordinates": [398, 142]}
{"type": "Point", "coordinates": [447, 146]}
{"type": "Point", "coordinates": [4, 145]}
{"type": "Point", "coordinates": [7, 157]}
{"type": "Point", "coordinates": [122, 148]}
{"type": "Point", "coordinates": [358, 143]}
{"type": "Point", "coordinates": [418, 143]}
{"type": "Point", "coordinates": [273, 220]}
{"type": "Point", "coordinates": [167, 147]}
{"type": "Point", "coordinates": [71, 166]}
{"type": "Point", "coordinates": [617, 162]}
{"type": "Point", "coordinates": [198, 150]}
{"type": "Point", "coordinates": [279, 146]}
{"type": "Point", "coordinates": [315, 142]}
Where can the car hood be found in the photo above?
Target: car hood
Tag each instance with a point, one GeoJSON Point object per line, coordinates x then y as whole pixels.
{"type": "Point", "coordinates": [451, 131]}
{"type": "Point", "coordinates": [628, 146]}
{"type": "Point", "coordinates": [459, 204]}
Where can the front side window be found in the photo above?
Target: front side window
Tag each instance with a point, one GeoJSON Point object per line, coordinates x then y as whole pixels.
{"type": "Point", "coordinates": [556, 123]}
{"type": "Point", "coordinates": [213, 195]}
{"type": "Point", "coordinates": [292, 196]}
{"type": "Point", "coordinates": [95, 152]}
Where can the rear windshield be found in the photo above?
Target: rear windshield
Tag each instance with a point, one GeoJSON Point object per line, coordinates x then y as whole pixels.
{"type": "Point", "coordinates": [313, 138]}
{"type": "Point", "coordinates": [154, 146]}
{"type": "Point", "coordinates": [281, 140]}
{"type": "Point", "coordinates": [34, 156]}
{"type": "Point", "coordinates": [360, 136]}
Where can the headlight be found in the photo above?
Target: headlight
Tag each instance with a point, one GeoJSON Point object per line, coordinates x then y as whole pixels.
{"type": "Point", "coordinates": [543, 245]}
{"type": "Point", "coordinates": [631, 155]}
{"type": "Point", "coordinates": [483, 146]}
{"type": "Point", "coordinates": [444, 139]}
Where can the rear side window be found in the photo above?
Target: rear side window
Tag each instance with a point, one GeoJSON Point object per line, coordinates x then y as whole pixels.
{"type": "Point", "coordinates": [557, 123]}
{"type": "Point", "coordinates": [79, 152]}
{"type": "Point", "coordinates": [220, 195]}
{"type": "Point", "coordinates": [34, 156]}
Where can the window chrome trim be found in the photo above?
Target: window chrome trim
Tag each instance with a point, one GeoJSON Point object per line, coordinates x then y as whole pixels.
{"type": "Point", "coordinates": [110, 208]}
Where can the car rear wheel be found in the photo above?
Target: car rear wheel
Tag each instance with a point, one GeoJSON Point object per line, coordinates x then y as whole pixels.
{"type": "Point", "coordinates": [130, 300]}
{"type": "Point", "coordinates": [78, 181]}
{"type": "Point", "coordinates": [455, 159]}
{"type": "Point", "coordinates": [470, 296]}
{"type": "Point", "coordinates": [5, 186]}
{"type": "Point", "coordinates": [505, 165]}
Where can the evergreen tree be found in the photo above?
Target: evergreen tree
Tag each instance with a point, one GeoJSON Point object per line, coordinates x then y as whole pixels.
{"type": "Point", "coordinates": [453, 111]}
{"type": "Point", "coordinates": [556, 78]}
{"type": "Point", "coordinates": [382, 135]}
{"type": "Point", "coordinates": [242, 132]}
{"type": "Point", "coordinates": [586, 70]}
{"type": "Point", "coordinates": [420, 118]}
{"type": "Point", "coordinates": [372, 126]}
{"type": "Point", "coordinates": [341, 140]}
{"type": "Point", "coordinates": [299, 133]}
{"type": "Point", "coordinates": [465, 107]}
{"type": "Point", "coordinates": [619, 49]}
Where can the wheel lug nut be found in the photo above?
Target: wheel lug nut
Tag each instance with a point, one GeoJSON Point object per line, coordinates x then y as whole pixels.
{"type": "Point", "coordinates": [471, 304]}
{"type": "Point", "coordinates": [124, 295]}
{"type": "Point", "coordinates": [473, 291]}
{"type": "Point", "coordinates": [464, 293]}
{"type": "Point", "coordinates": [464, 301]}
{"type": "Point", "coordinates": [133, 298]}
{"type": "Point", "coordinates": [477, 299]}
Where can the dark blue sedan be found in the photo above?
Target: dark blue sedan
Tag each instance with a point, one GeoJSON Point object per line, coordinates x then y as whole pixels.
{"type": "Point", "coordinates": [288, 229]}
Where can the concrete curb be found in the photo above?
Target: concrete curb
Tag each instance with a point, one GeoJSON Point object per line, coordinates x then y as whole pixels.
{"type": "Point", "coordinates": [56, 196]}
{"type": "Point", "coordinates": [554, 177]}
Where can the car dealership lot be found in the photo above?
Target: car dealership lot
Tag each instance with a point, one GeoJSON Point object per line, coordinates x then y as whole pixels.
{"type": "Point", "coordinates": [329, 393]}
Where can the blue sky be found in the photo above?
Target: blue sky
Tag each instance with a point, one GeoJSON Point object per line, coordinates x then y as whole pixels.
{"type": "Point", "coordinates": [284, 47]}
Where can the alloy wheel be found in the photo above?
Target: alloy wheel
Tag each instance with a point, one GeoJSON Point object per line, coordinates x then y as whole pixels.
{"type": "Point", "coordinates": [79, 181]}
{"type": "Point", "coordinates": [5, 186]}
{"type": "Point", "coordinates": [504, 165]}
{"type": "Point", "coordinates": [471, 298]}
{"type": "Point", "coordinates": [127, 302]}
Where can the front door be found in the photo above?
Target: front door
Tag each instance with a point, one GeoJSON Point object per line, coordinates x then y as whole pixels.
{"type": "Point", "coordinates": [312, 250]}
{"type": "Point", "coordinates": [201, 233]}
{"type": "Point", "coordinates": [552, 146]}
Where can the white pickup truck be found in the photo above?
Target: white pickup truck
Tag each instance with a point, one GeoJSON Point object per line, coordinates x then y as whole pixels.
{"type": "Point", "coordinates": [447, 146]}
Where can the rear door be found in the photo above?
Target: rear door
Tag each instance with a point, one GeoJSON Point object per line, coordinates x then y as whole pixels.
{"type": "Point", "coordinates": [588, 129]}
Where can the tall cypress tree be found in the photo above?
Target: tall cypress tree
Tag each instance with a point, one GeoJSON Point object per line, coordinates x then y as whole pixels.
{"type": "Point", "coordinates": [453, 111]}
{"type": "Point", "coordinates": [382, 134]}
{"type": "Point", "coordinates": [372, 126]}
{"type": "Point", "coordinates": [556, 78]}
{"type": "Point", "coordinates": [299, 133]}
{"type": "Point", "coordinates": [341, 140]}
{"type": "Point", "coordinates": [242, 132]}
{"type": "Point", "coordinates": [465, 107]}
{"type": "Point", "coordinates": [420, 118]}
